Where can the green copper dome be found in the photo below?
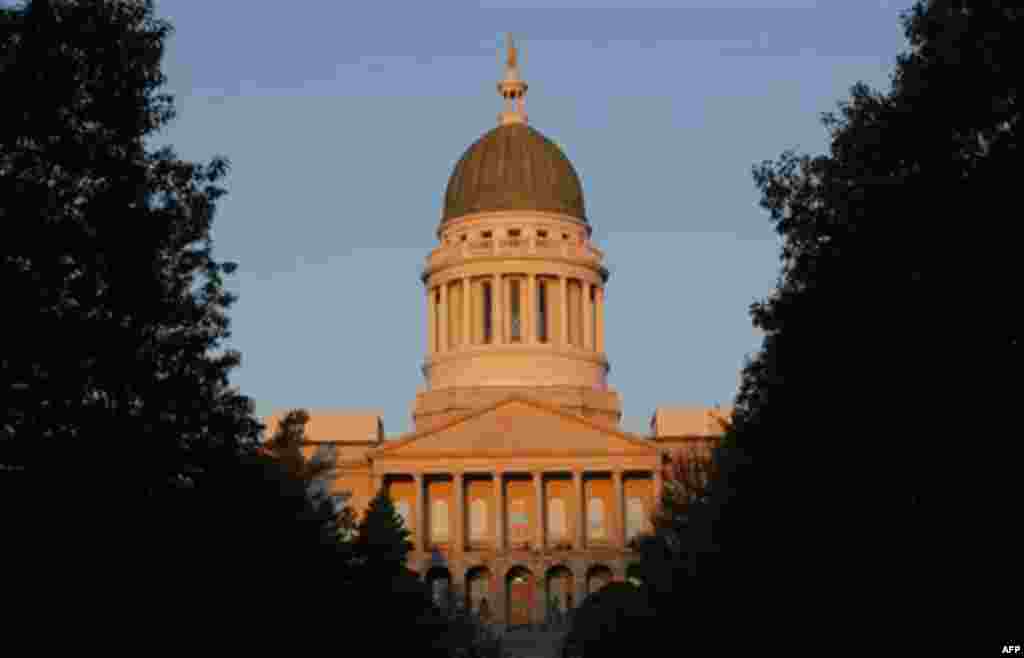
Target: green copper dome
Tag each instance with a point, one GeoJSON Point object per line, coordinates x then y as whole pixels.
{"type": "Point", "coordinates": [513, 167]}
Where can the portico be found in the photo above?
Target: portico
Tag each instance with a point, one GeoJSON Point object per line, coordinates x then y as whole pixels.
{"type": "Point", "coordinates": [517, 501]}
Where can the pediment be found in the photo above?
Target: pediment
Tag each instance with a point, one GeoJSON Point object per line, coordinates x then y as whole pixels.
{"type": "Point", "coordinates": [518, 427]}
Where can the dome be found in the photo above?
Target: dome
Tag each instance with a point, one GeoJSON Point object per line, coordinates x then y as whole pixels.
{"type": "Point", "coordinates": [513, 167]}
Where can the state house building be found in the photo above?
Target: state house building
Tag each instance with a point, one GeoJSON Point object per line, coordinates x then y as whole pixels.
{"type": "Point", "coordinates": [520, 489]}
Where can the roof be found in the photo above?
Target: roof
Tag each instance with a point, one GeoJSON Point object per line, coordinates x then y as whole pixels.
{"type": "Point", "coordinates": [689, 421]}
{"type": "Point", "coordinates": [512, 426]}
{"type": "Point", "coordinates": [513, 167]}
{"type": "Point", "coordinates": [337, 427]}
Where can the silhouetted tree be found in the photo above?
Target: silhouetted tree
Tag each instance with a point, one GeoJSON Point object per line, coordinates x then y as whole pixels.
{"type": "Point", "coordinates": [890, 326]}
{"type": "Point", "coordinates": [113, 373]}
{"type": "Point", "coordinates": [611, 622]}
{"type": "Point", "coordinates": [681, 539]}
{"type": "Point", "coordinates": [382, 541]}
{"type": "Point", "coordinates": [285, 448]}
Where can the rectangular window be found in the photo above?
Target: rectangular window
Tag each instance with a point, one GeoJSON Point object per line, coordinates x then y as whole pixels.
{"type": "Point", "coordinates": [575, 301]}
{"type": "Point", "coordinates": [593, 317]}
{"type": "Point", "coordinates": [488, 313]}
{"type": "Point", "coordinates": [437, 321]}
{"type": "Point", "coordinates": [542, 311]}
{"type": "Point", "coordinates": [513, 309]}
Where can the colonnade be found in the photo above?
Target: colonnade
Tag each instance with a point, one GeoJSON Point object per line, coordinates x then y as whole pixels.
{"type": "Point", "coordinates": [614, 536]}
{"type": "Point", "coordinates": [499, 309]}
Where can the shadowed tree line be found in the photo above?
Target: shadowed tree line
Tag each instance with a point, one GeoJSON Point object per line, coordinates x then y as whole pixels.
{"type": "Point", "coordinates": [136, 487]}
{"type": "Point", "coordinates": [839, 511]}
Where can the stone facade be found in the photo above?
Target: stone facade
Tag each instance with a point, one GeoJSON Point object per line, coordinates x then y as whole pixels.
{"type": "Point", "coordinates": [520, 489]}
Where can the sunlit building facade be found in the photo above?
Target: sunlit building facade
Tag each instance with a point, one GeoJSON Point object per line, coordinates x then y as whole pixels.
{"type": "Point", "coordinates": [520, 489]}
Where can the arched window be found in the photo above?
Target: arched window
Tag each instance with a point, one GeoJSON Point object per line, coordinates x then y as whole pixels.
{"type": "Point", "coordinates": [402, 507]}
{"type": "Point", "coordinates": [478, 519]}
{"type": "Point", "coordinates": [556, 518]}
{"type": "Point", "coordinates": [634, 517]}
{"type": "Point", "coordinates": [595, 518]}
{"type": "Point", "coordinates": [439, 521]}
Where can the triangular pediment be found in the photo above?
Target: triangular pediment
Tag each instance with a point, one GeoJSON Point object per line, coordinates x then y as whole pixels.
{"type": "Point", "coordinates": [518, 427]}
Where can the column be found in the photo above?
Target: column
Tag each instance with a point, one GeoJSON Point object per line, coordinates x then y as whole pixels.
{"type": "Point", "coordinates": [530, 316]}
{"type": "Point", "coordinates": [619, 526]}
{"type": "Point", "coordinates": [580, 509]}
{"type": "Point", "coordinates": [538, 493]}
{"type": "Point", "coordinates": [443, 342]}
{"type": "Point", "coordinates": [499, 513]}
{"type": "Point", "coordinates": [467, 310]}
{"type": "Point", "coordinates": [377, 481]}
{"type": "Point", "coordinates": [599, 338]}
{"type": "Point", "coordinates": [563, 306]}
{"type": "Point", "coordinates": [418, 531]}
{"type": "Point", "coordinates": [460, 513]}
{"type": "Point", "coordinates": [498, 314]}
{"type": "Point", "coordinates": [430, 321]}
{"type": "Point", "coordinates": [588, 339]}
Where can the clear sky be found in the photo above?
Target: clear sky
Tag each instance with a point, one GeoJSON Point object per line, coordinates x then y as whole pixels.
{"type": "Point", "coordinates": [343, 121]}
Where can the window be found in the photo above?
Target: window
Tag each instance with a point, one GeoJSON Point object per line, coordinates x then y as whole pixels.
{"type": "Point", "coordinates": [439, 521]}
{"type": "Point", "coordinates": [437, 321]}
{"type": "Point", "coordinates": [575, 299]}
{"type": "Point", "coordinates": [542, 234]}
{"type": "Point", "coordinates": [565, 236]}
{"type": "Point", "coordinates": [514, 233]}
{"type": "Point", "coordinates": [485, 235]}
{"type": "Point", "coordinates": [542, 311]}
{"type": "Point", "coordinates": [556, 519]}
{"type": "Point", "coordinates": [513, 310]}
{"type": "Point", "coordinates": [519, 521]}
{"type": "Point", "coordinates": [595, 518]}
{"type": "Point", "coordinates": [462, 238]}
{"type": "Point", "coordinates": [634, 517]}
{"type": "Point", "coordinates": [478, 519]}
{"type": "Point", "coordinates": [488, 312]}
{"type": "Point", "coordinates": [593, 316]}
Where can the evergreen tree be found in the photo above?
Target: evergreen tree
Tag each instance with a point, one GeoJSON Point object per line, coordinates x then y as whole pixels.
{"type": "Point", "coordinates": [382, 543]}
{"type": "Point", "coordinates": [114, 375]}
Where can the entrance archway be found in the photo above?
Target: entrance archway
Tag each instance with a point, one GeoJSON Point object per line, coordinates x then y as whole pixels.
{"type": "Point", "coordinates": [520, 588]}
{"type": "Point", "coordinates": [439, 581]}
{"type": "Point", "coordinates": [597, 577]}
{"type": "Point", "coordinates": [479, 598]}
{"type": "Point", "coordinates": [560, 586]}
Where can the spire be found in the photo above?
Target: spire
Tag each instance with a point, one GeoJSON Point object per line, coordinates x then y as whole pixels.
{"type": "Point", "coordinates": [512, 88]}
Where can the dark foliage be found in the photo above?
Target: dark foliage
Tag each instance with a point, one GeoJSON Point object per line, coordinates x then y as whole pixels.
{"type": "Point", "coordinates": [135, 487]}
{"type": "Point", "coordinates": [382, 541]}
{"type": "Point", "coordinates": [892, 327]}
{"type": "Point", "coordinates": [611, 622]}
{"type": "Point", "coordinates": [113, 371]}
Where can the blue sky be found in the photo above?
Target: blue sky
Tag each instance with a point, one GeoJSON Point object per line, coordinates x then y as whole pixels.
{"type": "Point", "coordinates": [343, 121]}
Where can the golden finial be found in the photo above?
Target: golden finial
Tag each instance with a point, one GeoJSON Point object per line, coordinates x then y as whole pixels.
{"type": "Point", "coordinates": [513, 55]}
{"type": "Point", "coordinates": [512, 88]}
